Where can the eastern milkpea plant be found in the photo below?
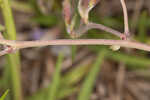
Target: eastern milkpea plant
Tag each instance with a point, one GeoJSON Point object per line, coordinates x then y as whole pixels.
{"type": "Point", "coordinates": [83, 7]}
{"type": "Point", "coordinates": [11, 45]}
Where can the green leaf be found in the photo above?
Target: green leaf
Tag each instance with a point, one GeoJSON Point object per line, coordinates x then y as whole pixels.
{"type": "Point", "coordinates": [74, 49]}
{"type": "Point", "coordinates": [46, 20]}
{"type": "Point", "coordinates": [133, 61]}
{"type": "Point", "coordinates": [4, 95]}
{"type": "Point", "coordinates": [75, 75]}
{"type": "Point", "coordinates": [91, 78]}
{"type": "Point", "coordinates": [53, 89]}
{"type": "Point", "coordinates": [66, 91]}
{"type": "Point", "coordinates": [142, 27]}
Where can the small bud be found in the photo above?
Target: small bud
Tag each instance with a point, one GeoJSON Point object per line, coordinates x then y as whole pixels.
{"type": "Point", "coordinates": [93, 3]}
{"type": "Point", "coordinates": [68, 16]}
{"type": "Point", "coordinates": [115, 47]}
{"type": "Point", "coordinates": [84, 7]}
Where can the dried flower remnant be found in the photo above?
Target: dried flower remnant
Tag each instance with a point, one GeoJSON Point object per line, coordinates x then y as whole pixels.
{"type": "Point", "coordinates": [68, 16]}
{"type": "Point", "coordinates": [115, 47]}
{"type": "Point", "coordinates": [84, 7]}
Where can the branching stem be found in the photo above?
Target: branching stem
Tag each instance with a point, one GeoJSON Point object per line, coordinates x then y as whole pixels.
{"type": "Point", "coordinates": [27, 44]}
{"type": "Point", "coordinates": [126, 24]}
{"type": "Point", "coordinates": [92, 25]}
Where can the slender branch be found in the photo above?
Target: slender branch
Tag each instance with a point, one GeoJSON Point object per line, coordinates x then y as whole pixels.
{"type": "Point", "coordinates": [28, 44]}
{"type": "Point", "coordinates": [126, 24]}
{"type": "Point", "coordinates": [92, 25]}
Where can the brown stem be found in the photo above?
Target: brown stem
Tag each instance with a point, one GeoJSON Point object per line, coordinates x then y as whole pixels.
{"type": "Point", "coordinates": [126, 24]}
{"type": "Point", "coordinates": [91, 25]}
{"type": "Point", "coordinates": [122, 43]}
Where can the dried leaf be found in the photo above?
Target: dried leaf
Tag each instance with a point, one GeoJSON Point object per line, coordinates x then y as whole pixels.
{"type": "Point", "coordinates": [67, 11]}
{"type": "Point", "coordinates": [69, 16]}
{"type": "Point", "coordinates": [84, 7]}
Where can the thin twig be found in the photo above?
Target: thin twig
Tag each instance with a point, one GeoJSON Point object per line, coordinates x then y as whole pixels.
{"type": "Point", "coordinates": [28, 44]}
{"type": "Point", "coordinates": [126, 24]}
{"type": "Point", "coordinates": [92, 25]}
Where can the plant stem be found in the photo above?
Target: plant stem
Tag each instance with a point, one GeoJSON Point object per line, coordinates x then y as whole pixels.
{"type": "Point", "coordinates": [12, 59]}
{"type": "Point", "coordinates": [122, 43]}
{"type": "Point", "coordinates": [30, 44]}
{"type": "Point", "coordinates": [92, 25]}
{"type": "Point", "coordinates": [125, 13]}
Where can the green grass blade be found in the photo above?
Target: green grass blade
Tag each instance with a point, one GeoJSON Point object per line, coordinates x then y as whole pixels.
{"type": "Point", "coordinates": [74, 49]}
{"type": "Point", "coordinates": [90, 79]}
{"type": "Point", "coordinates": [66, 91]}
{"type": "Point", "coordinates": [142, 27]}
{"type": "Point", "coordinates": [131, 60]}
{"type": "Point", "coordinates": [13, 61]}
{"type": "Point", "coordinates": [61, 94]}
{"type": "Point", "coordinates": [75, 75]}
{"type": "Point", "coordinates": [4, 95]}
{"type": "Point", "coordinates": [67, 83]}
{"type": "Point", "coordinates": [52, 94]}
{"type": "Point", "coordinates": [134, 61]}
{"type": "Point", "coordinates": [49, 20]}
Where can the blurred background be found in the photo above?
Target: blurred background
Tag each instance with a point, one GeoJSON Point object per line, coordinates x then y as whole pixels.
{"type": "Point", "coordinates": [77, 72]}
